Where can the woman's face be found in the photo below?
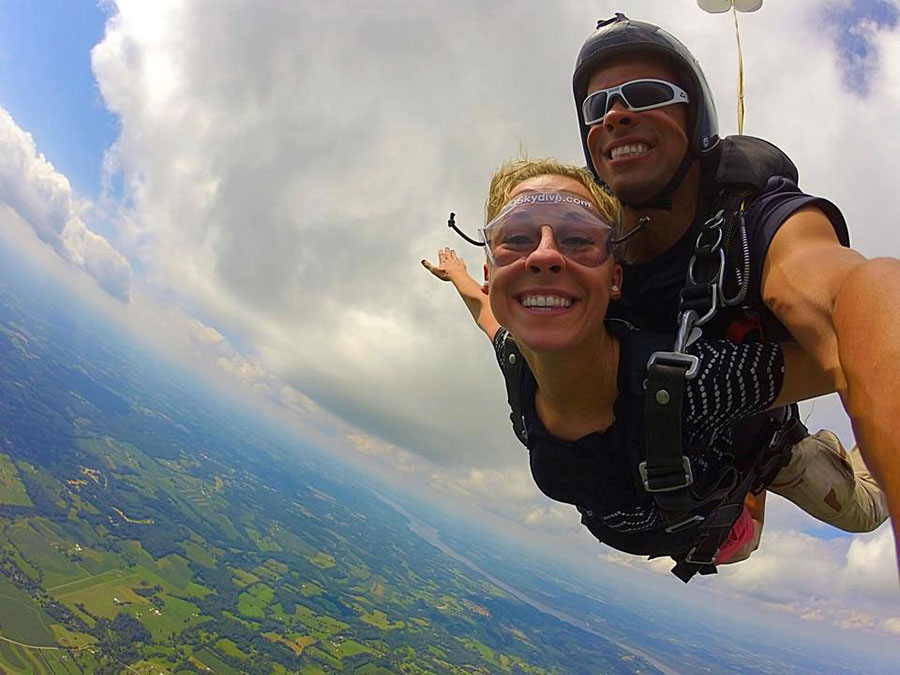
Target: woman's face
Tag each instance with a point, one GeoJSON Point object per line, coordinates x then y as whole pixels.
{"type": "Point", "coordinates": [548, 302]}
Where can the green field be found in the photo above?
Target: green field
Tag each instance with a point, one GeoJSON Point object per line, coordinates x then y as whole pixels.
{"type": "Point", "coordinates": [379, 620]}
{"type": "Point", "coordinates": [342, 648]}
{"type": "Point", "coordinates": [21, 619]}
{"type": "Point", "coordinates": [87, 582]}
{"type": "Point", "coordinates": [66, 638]}
{"type": "Point", "coordinates": [175, 569]}
{"type": "Point", "coordinates": [254, 602]}
{"type": "Point", "coordinates": [318, 625]}
{"type": "Point", "coordinates": [213, 662]}
{"type": "Point", "coordinates": [175, 616]}
{"type": "Point", "coordinates": [45, 550]}
{"type": "Point", "coordinates": [198, 554]}
{"type": "Point", "coordinates": [16, 660]}
{"type": "Point", "coordinates": [145, 530]}
{"type": "Point", "coordinates": [11, 489]}
{"type": "Point", "coordinates": [228, 648]}
{"type": "Point", "coordinates": [106, 596]}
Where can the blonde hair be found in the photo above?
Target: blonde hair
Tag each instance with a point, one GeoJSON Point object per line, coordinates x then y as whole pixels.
{"type": "Point", "coordinates": [514, 171]}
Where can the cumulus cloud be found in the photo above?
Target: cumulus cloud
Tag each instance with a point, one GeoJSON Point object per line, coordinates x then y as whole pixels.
{"type": "Point", "coordinates": [397, 459]}
{"type": "Point", "coordinates": [286, 165]}
{"type": "Point", "coordinates": [43, 198]}
{"type": "Point", "coordinates": [847, 582]}
{"type": "Point", "coordinates": [854, 28]}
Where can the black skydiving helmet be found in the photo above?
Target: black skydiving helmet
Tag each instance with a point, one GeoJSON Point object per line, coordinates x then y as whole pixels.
{"type": "Point", "coordinates": [620, 35]}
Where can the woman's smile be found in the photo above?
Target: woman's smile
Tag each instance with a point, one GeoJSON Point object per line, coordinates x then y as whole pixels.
{"type": "Point", "coordinates": [544, 301]}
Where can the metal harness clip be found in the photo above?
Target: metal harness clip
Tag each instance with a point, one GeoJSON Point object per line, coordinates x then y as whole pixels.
{"type": "Point", "coordinates": [685, 477]}
{"type": "Point", "coordinates": [685, 524]}
{"type": "Point", "coordinates": [700, 561]}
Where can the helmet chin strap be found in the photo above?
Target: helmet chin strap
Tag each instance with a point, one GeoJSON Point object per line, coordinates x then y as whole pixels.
{"type": "Point", "coordinates": [663, 198]}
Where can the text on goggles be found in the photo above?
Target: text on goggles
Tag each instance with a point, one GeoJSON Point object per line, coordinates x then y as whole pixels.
{"type": "Point", "coordinates": [579, 232]}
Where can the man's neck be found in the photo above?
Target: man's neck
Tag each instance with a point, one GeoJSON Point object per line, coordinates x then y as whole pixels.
{"type": "Point", "coordinates": [666, 227]}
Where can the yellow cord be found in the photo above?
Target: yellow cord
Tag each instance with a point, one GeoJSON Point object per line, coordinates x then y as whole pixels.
{"type": "Point", "coordinates": [740, 86]}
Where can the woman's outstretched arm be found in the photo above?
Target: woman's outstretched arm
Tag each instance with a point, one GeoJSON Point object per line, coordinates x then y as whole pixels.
{"type": "Point", "coordinates": [453, 269]}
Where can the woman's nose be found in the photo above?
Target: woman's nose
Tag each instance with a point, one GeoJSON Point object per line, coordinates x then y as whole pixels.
{"type": "Point", "coordinates": [546, 257]}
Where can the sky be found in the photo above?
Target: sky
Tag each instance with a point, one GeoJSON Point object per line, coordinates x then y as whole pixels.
{"type": "Point", "coordinates": [250, 186]}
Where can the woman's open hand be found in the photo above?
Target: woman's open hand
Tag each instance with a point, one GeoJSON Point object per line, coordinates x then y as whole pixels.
{"type": "Point", "coordinates": [452, 268]}
{"type": "Point", "coordinates": [449, 267]}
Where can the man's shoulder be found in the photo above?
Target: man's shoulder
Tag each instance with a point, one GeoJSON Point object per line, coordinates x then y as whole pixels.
{"type": "Point", "coordinates": [748, 164]}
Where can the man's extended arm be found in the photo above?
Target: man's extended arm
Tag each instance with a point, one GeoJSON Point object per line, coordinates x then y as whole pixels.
{"type": "Point", "coordinates": [844, 310]}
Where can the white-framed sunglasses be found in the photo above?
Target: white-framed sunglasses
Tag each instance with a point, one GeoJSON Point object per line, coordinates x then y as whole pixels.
{"type": "Point", "coordinates": [636, 95]}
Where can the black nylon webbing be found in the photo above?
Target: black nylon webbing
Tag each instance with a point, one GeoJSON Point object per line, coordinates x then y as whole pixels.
{"type": "Point", "coordinates": [718, 524]}
{"type": "Point", "coordinates": [664, 463]}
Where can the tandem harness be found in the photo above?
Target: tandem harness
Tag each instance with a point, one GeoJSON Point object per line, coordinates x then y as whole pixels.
{"type": "Point", "coordinates": [718, 276]}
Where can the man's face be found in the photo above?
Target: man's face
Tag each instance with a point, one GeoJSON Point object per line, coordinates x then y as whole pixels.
{"type": "Point", "coordinates": [637, 153]}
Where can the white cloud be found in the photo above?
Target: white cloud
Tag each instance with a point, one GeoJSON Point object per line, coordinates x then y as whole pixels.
{"type": "Point", "coordinates": [509, 484]}
{"type": "Point", "coordinates": [871, 565]}
{"type": "Point", "coordinates": [286, 168]}
{"type": "Point", "coordinates": [658, 566]}
{"type": "Point", "coordinates": [849, 582]}
{"type": "Point", "coordinates": [43, 198]}
{"type": "Point", "coordinates": [554, 518]}
{"type": "Point", "coordinates": [287, 165]}
{"type": "Point", "coordinates": [892, 625]}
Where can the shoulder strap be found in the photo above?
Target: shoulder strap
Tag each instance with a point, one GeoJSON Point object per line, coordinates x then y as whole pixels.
{"type": "Point", "coordinates": [743, 167]}
{"type": "Point", "coordinates": [512, 364]}
{"type": "Point", "coordinates": [655, 450]}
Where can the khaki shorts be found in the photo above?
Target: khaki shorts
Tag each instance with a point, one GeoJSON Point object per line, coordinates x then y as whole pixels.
{"type": "Point", "coordinates": [832, 485]}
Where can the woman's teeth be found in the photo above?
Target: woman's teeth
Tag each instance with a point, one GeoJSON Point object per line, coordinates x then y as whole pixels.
{"type": "Point", "coordinates": [546, 301]}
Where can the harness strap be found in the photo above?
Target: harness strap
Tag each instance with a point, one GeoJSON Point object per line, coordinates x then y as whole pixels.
{"type": "Point", "coordinates": [512, 373]}
{"type": "Point", "coordinates": [666, 472]}
{"type": "Point", "coordinates": [714, 531]}
{"type": "Point", "coordinates": [744, 167]}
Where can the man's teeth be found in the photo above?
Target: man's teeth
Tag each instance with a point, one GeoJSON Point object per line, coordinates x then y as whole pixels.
{"type": "Point", "coordinates": [628, 150]}
{"type": "Point", "coordinates": [546, 301]}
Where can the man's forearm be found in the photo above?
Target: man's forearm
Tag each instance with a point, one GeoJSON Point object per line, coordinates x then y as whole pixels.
{"type": "Point", "coordinates": [866, 317]}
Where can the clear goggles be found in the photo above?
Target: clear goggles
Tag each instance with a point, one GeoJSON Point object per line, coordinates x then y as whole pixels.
{"type": "Point", "coordinates": [579, 232]}
{"type": "Point", "coordinates": [636, 95]}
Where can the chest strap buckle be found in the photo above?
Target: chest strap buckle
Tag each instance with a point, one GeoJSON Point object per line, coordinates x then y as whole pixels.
{"type": "Point", "coordinates": [689, 362]}
{"type": "Point", "coordinates": [665, 479]}
{"type": "Point", "coordinates": [690, 521]}
{"type": "Point", "coordinates": [696, 558]}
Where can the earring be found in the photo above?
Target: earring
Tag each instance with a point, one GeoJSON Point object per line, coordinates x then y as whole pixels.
{"type": "Point", "coordinates": [614, 288]}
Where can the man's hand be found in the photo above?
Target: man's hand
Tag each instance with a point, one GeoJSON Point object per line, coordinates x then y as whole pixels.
{"type": "Point", "coordinates": [449, 267]}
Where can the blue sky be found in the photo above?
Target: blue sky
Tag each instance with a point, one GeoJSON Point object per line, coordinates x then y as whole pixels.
{"type": "Point", "coordinates": [47, 85]}
{"type": "Point", "coordinates": [852, 26]}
